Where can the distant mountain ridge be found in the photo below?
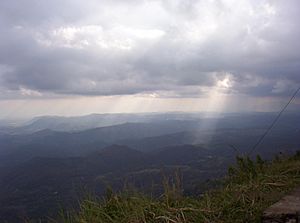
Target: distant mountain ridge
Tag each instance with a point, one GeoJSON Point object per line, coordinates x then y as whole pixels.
{"type": "Point", "coordinates": [52, 143]}
{"type": "Point", "coordinates": [80, 123]}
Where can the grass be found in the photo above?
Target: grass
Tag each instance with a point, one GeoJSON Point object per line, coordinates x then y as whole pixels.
{"type": "Point", "coordinates": [249, 188]}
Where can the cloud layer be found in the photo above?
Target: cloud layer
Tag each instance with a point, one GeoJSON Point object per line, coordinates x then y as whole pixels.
{"type": "Point", "coordinates": [166, 48]}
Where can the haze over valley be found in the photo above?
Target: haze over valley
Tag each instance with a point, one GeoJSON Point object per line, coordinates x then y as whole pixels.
{"type": "Point", "coordinates": [49, 162]}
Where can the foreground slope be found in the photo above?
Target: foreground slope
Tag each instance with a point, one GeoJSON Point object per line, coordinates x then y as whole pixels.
{"type": "Point", "coordinates": [249, 188]}
{"type": "Point", "coordinates": [38, 188]}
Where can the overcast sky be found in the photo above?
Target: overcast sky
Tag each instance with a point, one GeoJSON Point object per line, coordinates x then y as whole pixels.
{"type": "Point", "coordinates": [72, 57]}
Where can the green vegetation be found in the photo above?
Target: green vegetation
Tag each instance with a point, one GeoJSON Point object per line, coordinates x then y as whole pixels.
{"type": "Point", "coordinates": [248, 189]}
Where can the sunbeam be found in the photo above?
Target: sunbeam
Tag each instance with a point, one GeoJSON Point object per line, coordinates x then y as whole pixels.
{"type": "Point", "coordinates": [217, 98]}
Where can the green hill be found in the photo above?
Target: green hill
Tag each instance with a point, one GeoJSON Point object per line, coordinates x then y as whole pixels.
{"type": "Point", "coordinates": [249, 188]}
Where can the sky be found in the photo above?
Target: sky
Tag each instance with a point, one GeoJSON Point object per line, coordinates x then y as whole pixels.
{"type": "Point", "coordinates": [72, 57]}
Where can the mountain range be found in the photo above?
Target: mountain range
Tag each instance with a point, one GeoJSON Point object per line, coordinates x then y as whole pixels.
{"type": "Point", "coordinates": [42, 169]}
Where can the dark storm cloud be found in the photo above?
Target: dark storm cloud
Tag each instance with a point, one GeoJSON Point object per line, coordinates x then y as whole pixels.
{"type": "Point", "coordinates": [175, 48]}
